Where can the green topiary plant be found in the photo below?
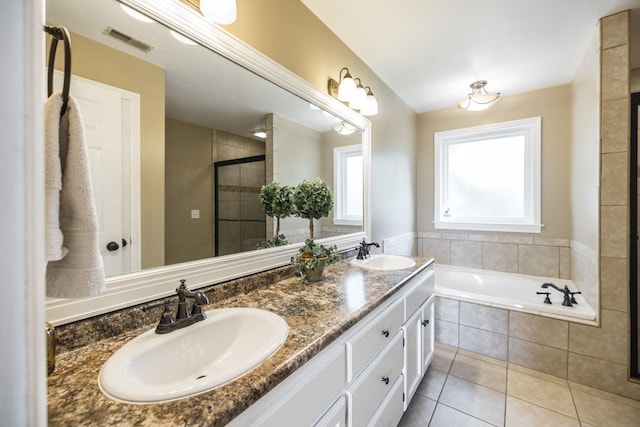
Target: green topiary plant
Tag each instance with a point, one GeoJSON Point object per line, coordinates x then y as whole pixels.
{"type": "Point", "coordinates": [276, 201]}
{"type": "Point", "coordinates": [312, 199]}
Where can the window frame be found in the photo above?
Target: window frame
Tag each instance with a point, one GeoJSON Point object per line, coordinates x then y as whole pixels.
{"type": "Point", "coordinates": [340, 154]}
{"type": "Point", "coordinates": [530, 222]}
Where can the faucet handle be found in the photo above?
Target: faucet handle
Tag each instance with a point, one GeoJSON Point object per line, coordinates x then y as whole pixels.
{"type": "Point", "coordinates": [573, 299]}
{"type": "Point", "coordinates": [166, 320]}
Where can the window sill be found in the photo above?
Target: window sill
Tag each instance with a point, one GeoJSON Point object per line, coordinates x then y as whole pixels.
{"type": "Point", "coordinates": [512, 228]}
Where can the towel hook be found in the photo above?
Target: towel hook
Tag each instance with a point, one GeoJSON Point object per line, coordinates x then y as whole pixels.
{"type": "Point", "coordinates": [59, 33]}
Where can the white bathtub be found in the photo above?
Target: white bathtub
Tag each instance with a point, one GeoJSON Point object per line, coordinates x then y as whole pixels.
{"type": "Point", "coordinates": [509, 291]}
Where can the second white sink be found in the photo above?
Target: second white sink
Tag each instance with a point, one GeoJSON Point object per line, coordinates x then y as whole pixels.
{"type": "Point", "coordinates": [227, 344]}
{"type": "Point", "coordinates": [384, 262]}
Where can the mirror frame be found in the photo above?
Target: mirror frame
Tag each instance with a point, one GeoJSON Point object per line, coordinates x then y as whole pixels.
{"type": "Point", "coordinates": [135, 288]}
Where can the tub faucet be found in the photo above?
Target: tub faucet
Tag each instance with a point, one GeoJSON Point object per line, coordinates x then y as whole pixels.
{"type": "Point", "coordinates": [185, 316]}
{"type": "Point", "coordinates": [569, 298]}
{"type": "Point", "coordinates": [363, 249]}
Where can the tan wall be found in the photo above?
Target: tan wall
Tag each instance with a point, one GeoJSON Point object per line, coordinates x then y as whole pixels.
{"type": "Point", "coordinates": [554, 106]}
{"type": "Point", "coordinates": [188, 185]}
{"type": "Point", "coordinates": [287, 32]}
{"type": "Point", "coordinates": [100, 63]}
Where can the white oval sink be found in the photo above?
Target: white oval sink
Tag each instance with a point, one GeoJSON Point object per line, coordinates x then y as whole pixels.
{"type": "Point", "coordinates": [384, 262]}
{"type": "Point", "coordinates": [227, 344]}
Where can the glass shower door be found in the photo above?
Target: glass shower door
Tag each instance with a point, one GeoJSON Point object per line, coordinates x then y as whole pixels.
{"type": "Point", "coordinates": [240, 222]}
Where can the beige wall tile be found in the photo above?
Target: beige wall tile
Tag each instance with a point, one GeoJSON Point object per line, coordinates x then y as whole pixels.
{"type": "Point", "coordinates": [608, 342]}
{"type": "Point", "coordinates": [614, 279]}
{"type": "Point", "coordinates": [447, 332]}
{"type": "Point", "coordinates": [522, 240]}
{"type": "Point", "coordinates": [545, 359]}
{"type": "Point", "coordinates": [484, 237]}
{"type": "Point", "coordinates": [615, 72]}
{"type": "Point", "coordinates": [500, 257]}
{"type": "Point", "coordinates": [483, 342]}
{"type": "Point", "coordinates": [615, 125]}
{"type": "Point", "coordinates": [539, 260]}
{"type": "Point", "coordinates": [438, 249]}
{"type": "Point", "coordinates": [565, 263]}
{"type": "Point", "coordinates": [484, 317]}
{"type": "Point", "coordinates": [541, 330]}
{"type": "Point", "coordinates": [608, 376]}
{"type": "Point", "coordinates": [466, 254]}
{"type": "Point", "coordinates": [545, 241]}
{"type": "Point", "coordinates": [447, 309]}
{"type": "Point", "coordinates": [615, 30]}
{"type": "Point", "coordinates": [614, 171]}
{"type": "Point", "coordinates": [455, 236]}
{"type": "Point", "coordinates": [613, 231]}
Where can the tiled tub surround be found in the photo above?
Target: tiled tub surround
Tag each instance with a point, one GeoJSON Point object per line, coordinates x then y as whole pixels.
{"type": "Point", "coordinates": [316, 314]}
{"type": "Point", "coordinates": [580, 353]}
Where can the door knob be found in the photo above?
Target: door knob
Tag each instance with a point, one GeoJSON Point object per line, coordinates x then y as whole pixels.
{"type": "Point", "coordinates": [112, 246]}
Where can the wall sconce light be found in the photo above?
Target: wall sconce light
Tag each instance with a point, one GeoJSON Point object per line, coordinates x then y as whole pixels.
{"type": "Point", "coordinates": [221, 12]}
{"type": "Point", "coordinates": [344, 128]}
{"type": "Point", "coordinates": [356, 96]}
{"type": "Point", "coordinates": [479, 99]}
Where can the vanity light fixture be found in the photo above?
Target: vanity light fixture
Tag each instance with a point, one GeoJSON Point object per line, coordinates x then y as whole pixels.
{"type": "Point", "coordinates": [135, 14]}
{"type": "Point", "coordinates": [370, 107]}
{"type": "Point", "coordinates": [221, 12]}
{"type": "Point", "coordinates": [479, 99]}
{"type": "Point", "coordinates": [344, 128]}
{"type": "Point", "coordinates": [356, 96]}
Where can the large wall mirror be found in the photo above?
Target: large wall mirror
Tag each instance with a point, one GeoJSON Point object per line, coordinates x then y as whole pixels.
{"type": "Point", "coordinates": [172, 108]}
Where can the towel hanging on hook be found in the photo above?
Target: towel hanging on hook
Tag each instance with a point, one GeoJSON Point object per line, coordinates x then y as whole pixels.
{"type": "Point", "coordinates": [59, 33]}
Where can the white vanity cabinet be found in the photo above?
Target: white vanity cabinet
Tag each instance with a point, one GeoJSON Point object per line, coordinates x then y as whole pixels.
{"type": "Point", "coordinates": [418, 332]}
{"type": "Point", "coordinates": [366, 377]}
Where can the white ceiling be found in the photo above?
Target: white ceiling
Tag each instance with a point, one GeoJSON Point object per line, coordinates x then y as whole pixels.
{"type": "Point", "coordinates": [429, 51]}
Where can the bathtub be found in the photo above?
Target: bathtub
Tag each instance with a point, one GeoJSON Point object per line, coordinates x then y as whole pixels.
{"type": "Point", "coordinates": [509, 291]}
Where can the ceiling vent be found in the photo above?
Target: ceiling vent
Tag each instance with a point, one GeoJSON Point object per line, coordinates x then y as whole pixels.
{"type": "Point", "coordinates": [128, 39]}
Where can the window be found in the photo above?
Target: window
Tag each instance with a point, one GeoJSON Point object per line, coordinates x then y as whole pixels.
{"type": "Point", "coordinates": [488, 177]}
{"type": "Point", "coordinates": [348, 188]}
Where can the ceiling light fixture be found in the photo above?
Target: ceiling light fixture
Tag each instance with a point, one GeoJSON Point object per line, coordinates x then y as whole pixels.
{"type": "Point", "coordinates": [356, 96]}
{"type": "Point", "coordinates": [344, 128]}
{"type": "Point", "coordinates": [479, 99]}
{"type": "Point", "coordinates": [182, 39]}
{"type": "Point", "coordinates": [260, 133]}
{"type": "Point", "coordinates": [221, 12]}
{"type": "Point", "coordinates": [135, 14]}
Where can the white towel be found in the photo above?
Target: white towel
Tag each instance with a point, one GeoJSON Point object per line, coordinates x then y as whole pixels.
{"type": "Point", "coordinates": [75, 267]}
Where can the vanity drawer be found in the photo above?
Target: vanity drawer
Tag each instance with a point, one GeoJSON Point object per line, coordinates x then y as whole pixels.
{"type": "Point", "coordinates": [423, 285]}
{"type": "Point", "coordinates": [374, 336]}
{"type": "Point", "coordinates": [372, 387]}
{"type": "Point", "coordinates": [391, 410]}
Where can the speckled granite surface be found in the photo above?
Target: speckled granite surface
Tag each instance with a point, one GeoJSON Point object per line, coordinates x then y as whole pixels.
{"type": "Point", "coordinates": [316, 313]}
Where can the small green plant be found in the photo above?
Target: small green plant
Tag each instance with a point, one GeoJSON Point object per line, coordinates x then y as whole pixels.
{"type": "Point", "coordinates": [276, 201]}
{"type": "Point", "coordinates": [312, 199]}
{"type": "Point", "coordinates": [311, 259]}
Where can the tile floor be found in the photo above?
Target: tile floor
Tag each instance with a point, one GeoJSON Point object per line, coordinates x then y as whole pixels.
{"type": "Point", "coordinates": [462, 389]}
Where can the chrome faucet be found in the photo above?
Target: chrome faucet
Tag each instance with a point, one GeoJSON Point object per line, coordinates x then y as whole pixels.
{"type": "Point", "coordinates": [569, 298]}
{"type": "Point", "coordinates": [185, 316]}
{"type": "Point", "coordinates": [363, 249]}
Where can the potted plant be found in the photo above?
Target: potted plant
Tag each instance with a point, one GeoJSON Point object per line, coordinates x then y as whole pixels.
{"type": "Point", "coordinates": [276, 201]}
{"type": "Point", "coordinates": [313, 199]}
{"type": "Point", "coordinates": [312, 258]}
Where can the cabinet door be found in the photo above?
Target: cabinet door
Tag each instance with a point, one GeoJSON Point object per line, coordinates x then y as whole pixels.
{"type": "Point", "coordinates": [413, 361]}
{"type": "Point", "coordinates": [336, 416]}
{"type": "Point", "coordinates": [428, 335]}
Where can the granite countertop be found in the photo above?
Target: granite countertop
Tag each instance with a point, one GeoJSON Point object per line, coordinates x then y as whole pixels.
{"type": "Point", "coordinates": [317, 314]}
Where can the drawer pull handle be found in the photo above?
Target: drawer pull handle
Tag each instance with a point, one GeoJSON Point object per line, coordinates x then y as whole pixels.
{"type": "Point", "coordinates": [385, 380]}
{"type": "Point", "coordinates": [385, 332]}
{"type": "Point", "coordinates": [425, 322]}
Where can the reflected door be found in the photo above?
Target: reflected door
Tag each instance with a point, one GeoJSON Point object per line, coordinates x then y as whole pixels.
{"type": "Point", "coordinates": [240, 222]}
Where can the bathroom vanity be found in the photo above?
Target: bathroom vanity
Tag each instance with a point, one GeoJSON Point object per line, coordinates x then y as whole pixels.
{"type": "Point", "coordinates": [359, 343]}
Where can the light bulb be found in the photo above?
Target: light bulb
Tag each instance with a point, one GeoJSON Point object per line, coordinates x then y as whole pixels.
{"type": "Point", "coordinates": [221, 12]}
